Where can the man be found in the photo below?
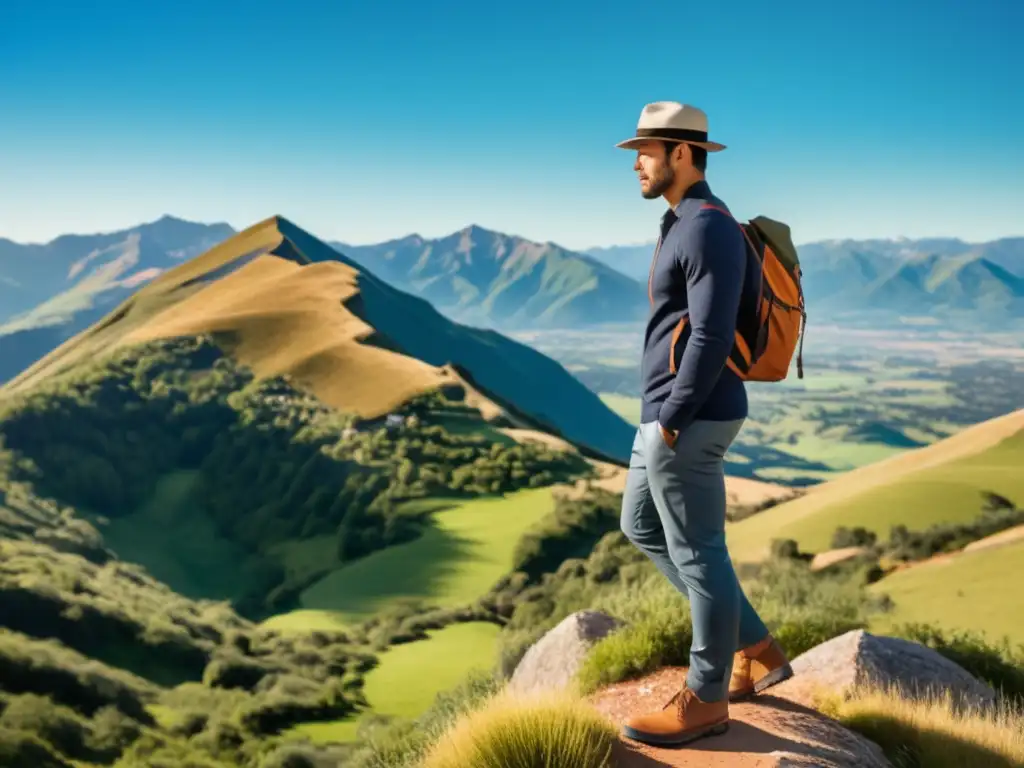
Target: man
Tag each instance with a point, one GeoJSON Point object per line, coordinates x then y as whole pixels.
{"type": "Point", "coordinates": [694, 404]}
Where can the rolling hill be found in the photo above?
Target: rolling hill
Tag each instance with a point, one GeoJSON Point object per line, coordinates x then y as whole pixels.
{"type": "Point", "coordinates": [938, 483]}
{"type": "Point", "coordinates": [490, 279]}
{"type": "Point", "coordinates": [980, 282]}
{"type": "Point", "coordinates": [292, 305]}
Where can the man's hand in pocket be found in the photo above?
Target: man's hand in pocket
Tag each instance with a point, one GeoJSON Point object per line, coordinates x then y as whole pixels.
{"type": "Point", "coordinates": [670, 437]}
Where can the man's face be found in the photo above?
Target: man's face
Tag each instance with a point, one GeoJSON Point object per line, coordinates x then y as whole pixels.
{"type": "Point", "coordinates": [654, 169]}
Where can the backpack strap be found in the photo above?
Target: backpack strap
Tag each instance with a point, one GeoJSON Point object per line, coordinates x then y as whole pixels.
{"type": "Point", "coordinates": [742, 228]}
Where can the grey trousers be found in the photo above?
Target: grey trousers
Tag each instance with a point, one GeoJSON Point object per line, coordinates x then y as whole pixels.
{"type": "Point", "coordinates": [673, 510]}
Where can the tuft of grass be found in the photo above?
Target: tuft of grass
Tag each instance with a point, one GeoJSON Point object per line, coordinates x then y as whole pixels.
{"type": "Point", "coordinates": [521, 732]}
{"type": "Point", "coordinates": [657, 633]}
{"type": "Point", "coordinates": [932, 733]}
{"type": "Point", "coordinates": [635, 650]}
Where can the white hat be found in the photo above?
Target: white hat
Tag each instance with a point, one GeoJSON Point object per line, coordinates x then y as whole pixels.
{"type": "Point", "coordinates": [672, 121]}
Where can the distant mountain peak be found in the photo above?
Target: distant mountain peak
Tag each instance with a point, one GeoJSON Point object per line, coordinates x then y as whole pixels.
{"type": "Point", "coordinates": [493, 279]}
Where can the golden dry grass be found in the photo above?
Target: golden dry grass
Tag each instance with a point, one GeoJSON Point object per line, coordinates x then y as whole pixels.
{"type": "Point", "coordinates": [144, 303]}
{"type": "Point", "coordinates": [931, 733]}
{"type": "Point", "coordinates": [513, 731]}
{"type": "Point", "coordinates": [287, 318]}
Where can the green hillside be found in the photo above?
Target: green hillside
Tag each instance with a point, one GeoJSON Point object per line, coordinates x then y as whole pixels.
{"type": "Point", "coordinates": [969, 591]}
{"type": "Point", "coordinates": [227, 485]}
{"type": "Point", "coordinates": [487, 278]}
{"type": "Point", "coordinates": [262, 437]}
{"type": "Point", "coordinates": [941, 483]}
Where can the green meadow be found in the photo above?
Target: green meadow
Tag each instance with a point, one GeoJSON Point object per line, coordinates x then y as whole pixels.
{"type": "Point", "coordinates": [457, 559]}
{"type": "Point", "coordinates": [974, 591]}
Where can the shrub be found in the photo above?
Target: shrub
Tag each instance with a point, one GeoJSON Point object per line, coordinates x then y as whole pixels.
{"type": "Point", "coordinates": [23, 750]}
{"type": "Point", "coordinates": [784, 549]}
{"type": "Point", "coordinates": [799, 636]}
{"type": "Point", "coordinates": [853, 537]}
{"type": "Point", "coordinates": [234, 672]}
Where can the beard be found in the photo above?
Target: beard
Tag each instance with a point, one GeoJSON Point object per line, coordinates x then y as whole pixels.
{"type": "Point", "coordinates": [659, 185]}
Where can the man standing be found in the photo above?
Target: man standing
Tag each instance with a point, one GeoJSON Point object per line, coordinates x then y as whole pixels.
{"type": "Point", "coordinates": [694, 404]}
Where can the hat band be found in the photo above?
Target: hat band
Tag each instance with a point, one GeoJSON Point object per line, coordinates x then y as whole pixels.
{"type": "Point", "coordinates": [679, 134]}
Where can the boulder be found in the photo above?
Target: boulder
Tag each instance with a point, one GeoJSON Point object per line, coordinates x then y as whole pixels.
{"type": "Point", "coordinates": [552, 662]}
{"type": "Point", "coordinates": [859, 658]}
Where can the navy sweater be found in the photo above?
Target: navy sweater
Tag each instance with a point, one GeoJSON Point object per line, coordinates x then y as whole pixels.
{"type": "Point", "coordinates": [696, 281]}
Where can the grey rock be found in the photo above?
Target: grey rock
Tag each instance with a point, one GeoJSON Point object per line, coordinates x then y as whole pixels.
{"type": "Point", "coordinates": [859, 658]}
{"type": "Point", "coordinates": [552, 662]}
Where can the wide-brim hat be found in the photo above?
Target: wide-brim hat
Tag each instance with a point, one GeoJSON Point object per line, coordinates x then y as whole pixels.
{"type": "Point", "coordinates": [672, 121]}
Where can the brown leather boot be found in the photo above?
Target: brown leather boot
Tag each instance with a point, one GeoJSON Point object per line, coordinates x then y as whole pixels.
{"type": "Point", "coordinates": [758, 667]}
{"type": "Point", "coordinates": [683, 719]}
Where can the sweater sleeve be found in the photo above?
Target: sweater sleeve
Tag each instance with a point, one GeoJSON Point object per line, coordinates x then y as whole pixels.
{"type": "Point", "coordinates": [713, 259]}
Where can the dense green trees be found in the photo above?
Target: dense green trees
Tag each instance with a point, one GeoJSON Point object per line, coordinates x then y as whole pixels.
{"type": "Point", "coordinates": [275, 464]}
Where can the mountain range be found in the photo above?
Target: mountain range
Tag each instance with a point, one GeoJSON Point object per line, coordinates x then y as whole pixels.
{"type": "Point", "coordinates": [50, 292]}
{"type": "Point", "coordinates": [932, 276]}
{"type": "Point", "coordinates": [487, 278]}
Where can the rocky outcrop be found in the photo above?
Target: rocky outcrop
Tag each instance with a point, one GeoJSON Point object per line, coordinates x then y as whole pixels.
{"type": "Point", "coordinates": [779, 728]}
{"type": "Point", "coordinates": [765, 732]}
{"type": "Point", "coordinates": [859, 658]}
{"type": "Point", "coordinates": [552, 662]}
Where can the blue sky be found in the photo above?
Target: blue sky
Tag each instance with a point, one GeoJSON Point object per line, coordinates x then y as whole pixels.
{"type": "Point", "coordinates": [366, 121]}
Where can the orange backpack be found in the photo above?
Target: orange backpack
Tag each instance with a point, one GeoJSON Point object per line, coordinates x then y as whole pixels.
{"type": "Point", "coordinates": [767, 330]}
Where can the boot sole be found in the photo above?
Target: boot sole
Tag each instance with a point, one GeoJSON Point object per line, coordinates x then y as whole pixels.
{"type": "Point", "coordinates": [774, 677]}
{"type": "Point", "coordinates": [676, 741]}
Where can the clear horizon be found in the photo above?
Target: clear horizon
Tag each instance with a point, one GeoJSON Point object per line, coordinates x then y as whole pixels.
{"type": "Point", "coordinates": [238, 228]}
{"type": "Point", "coordinates": [365, 124]}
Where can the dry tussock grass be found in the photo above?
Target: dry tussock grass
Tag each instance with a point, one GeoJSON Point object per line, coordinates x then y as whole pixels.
{"type": "Point", "coordinates": [516, 731]}
{"type": "Point", "coordinates": [935, 733]}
